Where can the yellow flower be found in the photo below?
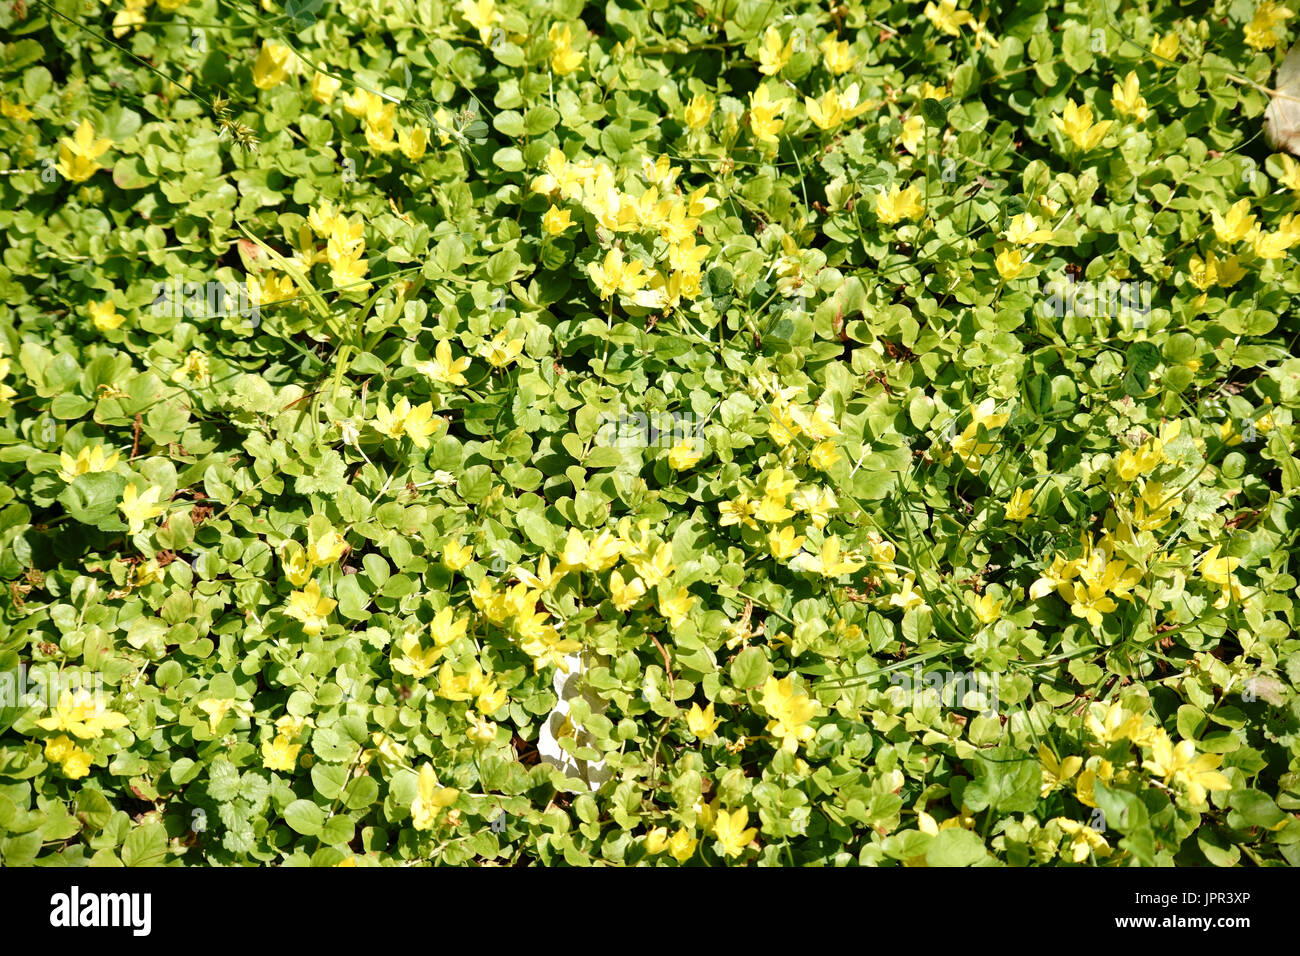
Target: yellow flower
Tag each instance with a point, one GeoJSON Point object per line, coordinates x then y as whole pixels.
{"type": "Point", "coordinates": [1019, 507]}
{"type": "Point", "coordinates": [15, 111]}
{"type": "Point", "coordinates": [1166, 48]}
{"type": "Point", "coordinates": [82, 714]}
{"type": "Point", "coordinates": [682, 846]}
{"type": "Point", "coordinates": [676, 607]}
{"type": "Point", "coordinates": [1084, 840]}
{"type": "Point", "coordinates": [1134, 462]}
{"type": "Point", "coordinates": [324, 86]}
{"type": "Point", "coordinates": [446, 628]}
{"type": "Point", "coordinates": [967, 445]}
{"type": "Point", "coordinates": [291, 725]}
{"type": "Point", "coordinates": [73, 761]}
{"type": "Point", "coordinates": [380, 131]}
{"type": "Point", "coordinates": [1010, 263]}
{"type": "Point", "coordinates": [416, 661]}
{"type": "Point", "coordinates": [600, 553]}
{"type": "Point", "coordinates": [1219, 571]}
{"type": "Point", "coordinates": [764, 115]}
{"type": "Point", "coordinates": [138, 508]}
{"type": "Point", "coordinates": [296, 566]}
{"type": "Point", "coordinates": [194, 368]}
{"type": "Point", "coordinates": [564, 59]}
{"type": "Point", "coordinates": [280, 754]}
{"type": "Point", "coordinates": [830, 561]}
{"type": "Point", "coordinates": [625, 594]}
{"type": "Point", "coordinates": [1180, 764]}
{"type": "Point", "coordinates": [413, 142]}
{"type": "Point", "coordinates": [348, 271]}
{"type": "Point", "coordinates": [271, 68]}
{"type": "Point", "coordinates": [698, 111]}
{"type": "Point", "coordinates": [772, 55]}
{"type": "Point", "coordinates": [88, 461]}
{"type": "Point", "coordinates": [908, 597]}
{"type": "Point", "coordinates": [790, 713]}
{"type": "Point", "coordinates": [913, 133]}
{"type": "Point", "coordinates": [656, 841]}
{"type": "Point", "coordinates": [269, 289]}
{"type": "Point", "coordinates": [836, 55]}
{"type": "Point", "coordinates": [544, 579]}
{"type": "Point", "coordinates": [1085, 788]}
{"type": "Point", "coordinates": [784, 543]}
{"type": "Point", "coordinates": [416, 423]}
{"type": "Point", "coordinates": [216, 710]}
{"type": "Point", "coordinates": [79, 155]}
{"type": "Point", "coordinates": [1056, 773]}
{"type": "Point", "coordinates": [702, 723]}
{"type": "Point", "coordinates": [105, 315]}
{"type": "Point", "coordinates": [1023, 231]}
{"type": "Point", "coordinates": [556, 221]}
{"type": "Point", "coordinates": [740, 510]}
{"type": "Point", "coordinates": [360, 103]}
{"type": "Point", "coordinates": [1099, 573]}
{"type": "Point", "coordinates": [326, 549]}
{"type": "Point", "coordinates": [617, 275]}
{"type": "Point", "coordinates": [832, 109]}
{"type": "Point", "coordinates": [1290, 177]}
{"type": "Point", "coordinates": [1115, 724]}
{"type": "Point", "coordinates": [456, 555]}
{"type": "Point", "coordinates": [947, 17]}
{"type": "Point", "coordinates": [1236, 225]}
{"type": "Point", "coordinates": [1260, 32]}
{"type": "Point", "coordinates": [146, 573]}
{"type": "Point", "coordinates": [1213, 271]}
{"type": "Point", "coordinates": [772, 509]}
{"type": "Point", "coordinates": [987, 608]}
{"type": "Point", "coordinates": [482, 15]}
{"type": "Point", "coordinates": [443, 368]}
{"type": "Point", "coordinates": [491, 698]}
{"type": "Point", "coordinates": [899, 204]}
{"type": "Point", "coordinates": [129, 17]}
{"type": "Point", "coordinates": [729, 828]}
{"type": "Point", "coordinates": [684, 454]}
{"type": "Point", "coordinates": [310, 608]}
{"type": "Point", "coordinates": [1077, 124]}
{"type": "Point", "coordinates": [501, 351]}
{"type": "Point", "coordinates": [655, 567]}
{"type": "Point", "coordinates": [823, 456]}
{"type": "Point", "coordinates": [1127, 98]}
{"type": "Point", "coordinates": [1272, 245]}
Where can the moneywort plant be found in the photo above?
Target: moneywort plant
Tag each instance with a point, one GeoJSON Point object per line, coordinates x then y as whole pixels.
{"type": "Point", "coordinates": [669, 433]}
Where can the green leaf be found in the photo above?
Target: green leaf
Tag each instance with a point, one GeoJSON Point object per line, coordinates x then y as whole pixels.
{"type": "Point", "coordinates": [750, 668]}
{"type": "Point", "coordinates": [304, 817]}
{"type": "Point", "coordinates": [955, 847]}
{"type": "Point", "coordinates": [145, 846]}
{"type": "Point", "coordinates": [93, 497]}
{"type": "Point", "coordinates": [1007, 780]}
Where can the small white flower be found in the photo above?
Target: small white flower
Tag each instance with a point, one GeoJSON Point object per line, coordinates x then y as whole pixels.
{"type": "Point", "coordinates": [349, 432]}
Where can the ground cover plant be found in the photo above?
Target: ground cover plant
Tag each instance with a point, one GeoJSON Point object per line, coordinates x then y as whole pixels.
{"type": "Point", "coordinates": [647, 433]}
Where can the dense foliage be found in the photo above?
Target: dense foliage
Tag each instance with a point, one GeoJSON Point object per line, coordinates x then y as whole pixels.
{"type": "Point", "coordinates": [646, 432]}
